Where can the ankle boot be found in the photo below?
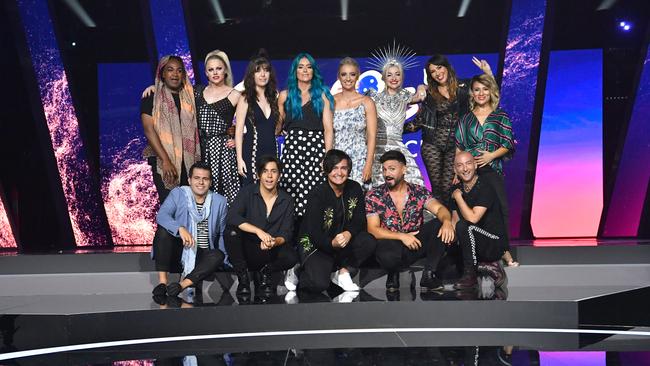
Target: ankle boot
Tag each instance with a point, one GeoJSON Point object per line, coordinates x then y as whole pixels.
{"type": "Point", "coordinates": [468, 280]}
{"type": "Point", "coordinates": [266, 281]}
{"type": "Point", "coordinates": [429, 281]}
{"type": "Point", "coordinates": [244, 286]}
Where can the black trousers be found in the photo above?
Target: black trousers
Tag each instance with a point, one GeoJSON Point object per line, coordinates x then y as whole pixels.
{"type": "Point", "coordinates": [245, 254]}
{"type": "Point", "coordinates": [392, 255]}
{"type": "Point", "coordinates": [167, 254]}
{"type": "Point", "coordinates": [478, 245]}
{"type": "Point", "coordinates": [489, 175]}
{"type": "Point", "coordinates": [317, 267]}
{"type": "Point", "coordinates": [163, 192]}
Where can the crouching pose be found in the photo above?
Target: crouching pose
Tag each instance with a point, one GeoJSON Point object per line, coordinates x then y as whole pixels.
{"type": "Point", "coordinates": [191, 221]}
{"type": "Point", "coordinates": [260, 226]}
{"type": "Point", "coordinates": [478, 221]}
{"type": "Point", "coordinates": [333, 233]}
{"type": "Point", "coordinates": [395, 217]}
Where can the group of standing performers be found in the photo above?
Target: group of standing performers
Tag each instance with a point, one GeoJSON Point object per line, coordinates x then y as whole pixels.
{"type": "Point", "coordinates": [345, 186]}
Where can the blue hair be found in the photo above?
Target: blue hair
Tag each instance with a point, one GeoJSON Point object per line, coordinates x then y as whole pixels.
{"type": "Point", "coordinates": [293, 104]}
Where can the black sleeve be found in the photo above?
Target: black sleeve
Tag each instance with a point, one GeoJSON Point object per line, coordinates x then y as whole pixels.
{"type": "Point", "coordinates": [358, 222]}
{"type": "Point", "coordinates": [286, 229]}
{"type": "Point", "coordinates": [485, 196]}
{"type": "Point", "coordinates": [146, 105]}
{"type": "Point", "coordinates": [312, 222]}
{"type": "Point", "coordinates": [237, 211]}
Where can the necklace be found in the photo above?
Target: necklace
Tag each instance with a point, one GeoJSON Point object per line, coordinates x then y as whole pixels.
{"type": "Point", "coordinates": [468, 187]}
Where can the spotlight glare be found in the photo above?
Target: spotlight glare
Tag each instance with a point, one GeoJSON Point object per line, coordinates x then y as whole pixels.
{"type": "Point", "coordinates": [622, 24]}
{"type": "Point", "coordinates": [627, 27]}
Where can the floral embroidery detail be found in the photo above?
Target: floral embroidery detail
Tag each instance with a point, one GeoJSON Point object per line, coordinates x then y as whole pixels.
{"type": "Point", "coordinates": [328, 218]}
{"type": "Point", "coordinates": [306, 244]}
{"type": "Point", "coordinates": [352, 204]}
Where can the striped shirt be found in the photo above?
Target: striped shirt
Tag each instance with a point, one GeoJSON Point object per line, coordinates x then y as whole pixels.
{"type": "Point", "coordinates": [495, 132]}
{"type": "Point", "coordinates": [202, 236]}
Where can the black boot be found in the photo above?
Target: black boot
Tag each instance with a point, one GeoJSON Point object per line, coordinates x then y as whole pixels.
{"type": "Point", "coordinates": [429, 281]}
{"type": "Point", "coordinates": [244, 286]}
{"type": "Point", "coordinates": [392, 281]}
{"type": "Point", "coordinates": [266, 281]}
{"type": "Point", "coordinates": [468, 280]}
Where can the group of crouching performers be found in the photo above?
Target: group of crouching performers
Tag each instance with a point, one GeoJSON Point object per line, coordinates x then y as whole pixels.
{"type": "Point", "coordinates": [342, 229]}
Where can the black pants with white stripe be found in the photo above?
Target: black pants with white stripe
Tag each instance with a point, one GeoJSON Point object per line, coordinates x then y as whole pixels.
{"type": "Point", "coordinates": [477, 245]}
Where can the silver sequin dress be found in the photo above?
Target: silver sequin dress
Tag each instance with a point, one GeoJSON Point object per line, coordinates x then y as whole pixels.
{"type": "Point", "coordinates": [350, 136]}
{"type": "Point", "coordinates": [391, 114]}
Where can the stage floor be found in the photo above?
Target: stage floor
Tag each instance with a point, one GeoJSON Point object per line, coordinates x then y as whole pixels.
{"type": "Point", "coordinates": [96, 308]}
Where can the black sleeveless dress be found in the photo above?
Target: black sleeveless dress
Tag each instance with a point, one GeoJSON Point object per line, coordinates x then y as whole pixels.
{"type": "Point", "coordinates": [214, 119]}
{"type": "Point", "coordinates": [302, 155]}
{"type": "Point", "coordinates": [259, 140]}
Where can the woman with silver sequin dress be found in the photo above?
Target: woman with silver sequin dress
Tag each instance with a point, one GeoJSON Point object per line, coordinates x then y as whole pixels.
{"type": "Point", "coordinates": [355, 123]}
{"type": "Point", "coordinates": [392, 104]}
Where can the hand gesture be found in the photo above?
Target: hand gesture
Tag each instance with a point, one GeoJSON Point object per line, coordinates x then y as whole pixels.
{"type": "Point", "coordinates": [230, 143]}
{"type": "Point", "coordinates": [446, 232]}
{"type": "Point", "coordinates": [410, 241]}
{"type": "Point", "coordinates": [484, 159]}
{"type": "Point", "coordinates": [483, 65]}
{"type": "Point", "coordinates": [169, 171]}
{"type": "Point", "coordinates": [150, 89]}
{"type": "Point", "coordinates": [188, 241]}
{"type": "Point", "coordinates": [341, 240]}
{"type": "Point", "coordinates": [456, 194]}
{"type": "Point", "coordinates": [266, 240]}
{"type": "Point", "coordinates": [241, 167]}
{"type": "Point", "coordinates": [455, 180]}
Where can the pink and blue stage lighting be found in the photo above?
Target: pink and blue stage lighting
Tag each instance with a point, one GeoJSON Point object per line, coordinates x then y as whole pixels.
{"type": "Point", "coordinates": [81, 192]}
{"type": "Point", "coordinates": [570, 161]}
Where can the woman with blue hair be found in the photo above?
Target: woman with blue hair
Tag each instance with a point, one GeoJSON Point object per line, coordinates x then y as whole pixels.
{"type": "Point", "coordinates": [306, 109]}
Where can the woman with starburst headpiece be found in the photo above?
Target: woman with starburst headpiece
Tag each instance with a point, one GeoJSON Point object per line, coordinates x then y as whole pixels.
{"type": "Point", "coordinates": [391, 104]}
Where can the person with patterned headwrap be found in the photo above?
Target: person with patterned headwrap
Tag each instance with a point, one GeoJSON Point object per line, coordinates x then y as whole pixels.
{"type": "Point", "coordinates": [169, 122]}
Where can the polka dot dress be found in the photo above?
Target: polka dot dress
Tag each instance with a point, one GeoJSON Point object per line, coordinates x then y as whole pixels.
{"type": "Point", "coordinates": [214, 120]}
{"type": "Point", "coordinates": [301, 160]}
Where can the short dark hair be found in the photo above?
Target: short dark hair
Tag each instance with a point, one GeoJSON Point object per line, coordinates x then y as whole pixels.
{"type": "Point", "coordinates": [393, 155]}
{"type": "Point", "coordinates": [200, 165]}
{"type": "Point", "coordinates": [265, 159]}
{"type": "Point", "coordinates": [334, 157]}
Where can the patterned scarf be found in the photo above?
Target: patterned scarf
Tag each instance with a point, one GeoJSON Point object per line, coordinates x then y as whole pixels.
{"type": "Point", "coordinates": [179, 140]}
{"type": "Point", "coordinates": [188, 258]}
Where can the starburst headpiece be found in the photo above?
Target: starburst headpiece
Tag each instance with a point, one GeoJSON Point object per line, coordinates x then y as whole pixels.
{"type": "Point", "coordinates": [390, 55]}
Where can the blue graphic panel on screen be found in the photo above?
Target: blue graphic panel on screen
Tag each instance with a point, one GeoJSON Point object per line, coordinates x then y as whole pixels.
{"type": "Point", "coordinates": [523, 51]}
{"type": "Point", "coordinates": [170, 31]}
{"type": "Point", "coordinates": [81, 193]}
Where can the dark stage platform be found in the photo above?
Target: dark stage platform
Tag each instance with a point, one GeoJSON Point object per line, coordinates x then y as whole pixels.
{"type": "Point", "coordinates": [557, 293]}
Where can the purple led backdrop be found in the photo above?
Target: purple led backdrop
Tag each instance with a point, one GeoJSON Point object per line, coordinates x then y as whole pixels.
{"type": "Point", "coordinates": [130, 198]}
{"type": "Point", "coordinates": [570, 160]}
{"type": "Point", "coordinates": [633, 172]}
{"type": "Point", "coordinates": [170, 32]}
{"type": "Point", "coordinates": [81, 193]}
{"type": "Point", "coordinates": [518, 88]}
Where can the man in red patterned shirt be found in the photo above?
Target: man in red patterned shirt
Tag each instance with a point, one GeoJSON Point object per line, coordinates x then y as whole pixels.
{"type": "Point", "coordinates": [395, 218]}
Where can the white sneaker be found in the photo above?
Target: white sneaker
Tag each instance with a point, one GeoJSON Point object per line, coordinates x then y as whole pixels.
{"type": "Point", "coordinates": [291, 298]}
{"type": "Point", "coordinates": [344, 281]}
{"type": "Point", "coordinates": [346, 297]}
{"type": "Point", "coordinates": [291, 280]}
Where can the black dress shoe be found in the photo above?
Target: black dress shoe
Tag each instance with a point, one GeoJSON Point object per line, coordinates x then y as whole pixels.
{"type": "Point", "coordinates": [244, 285]}
{"type": "Point", "coordinates": [266, 280]}
{"type": "Point", "coordinates": [392, 281]}
{"type": "Point", "coordinates": [160, 290]}
{"type": "Point", "coordinates": [429, 281]}
{"type": "Point", "coordinates": [173, 289]}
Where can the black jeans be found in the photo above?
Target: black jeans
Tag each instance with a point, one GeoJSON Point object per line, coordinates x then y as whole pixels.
{"type": "Point", "coordinates": [163, 192]}
{"type": "Point", "coordinates": [245, 254]}
{"type": "Point", "coordinates": [478, 245]}
{"type": "Point", "coordinates": [392, 255]}
{"type": "Point", "coordinates": [317, 267]}
{"type": "Point", "coordinates": [167, 254]}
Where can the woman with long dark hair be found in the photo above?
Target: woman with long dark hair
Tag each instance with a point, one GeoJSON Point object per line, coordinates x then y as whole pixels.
{"type": "Point", "coordinates": [446, 99]}
{"type": "Point", "coordinates": [306, 109]}
{"type": "Point", "coordinates": [257, 116]}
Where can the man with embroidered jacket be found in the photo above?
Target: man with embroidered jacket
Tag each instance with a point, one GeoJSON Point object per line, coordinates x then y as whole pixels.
{"type": "Point", "coordinates": [191, 222]}
{"type": "Point", "coordinates": [333, 235]}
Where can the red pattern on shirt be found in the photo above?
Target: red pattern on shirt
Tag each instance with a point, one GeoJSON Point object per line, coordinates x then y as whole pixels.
{"type": "Point", "coordinates": [379, 202]}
